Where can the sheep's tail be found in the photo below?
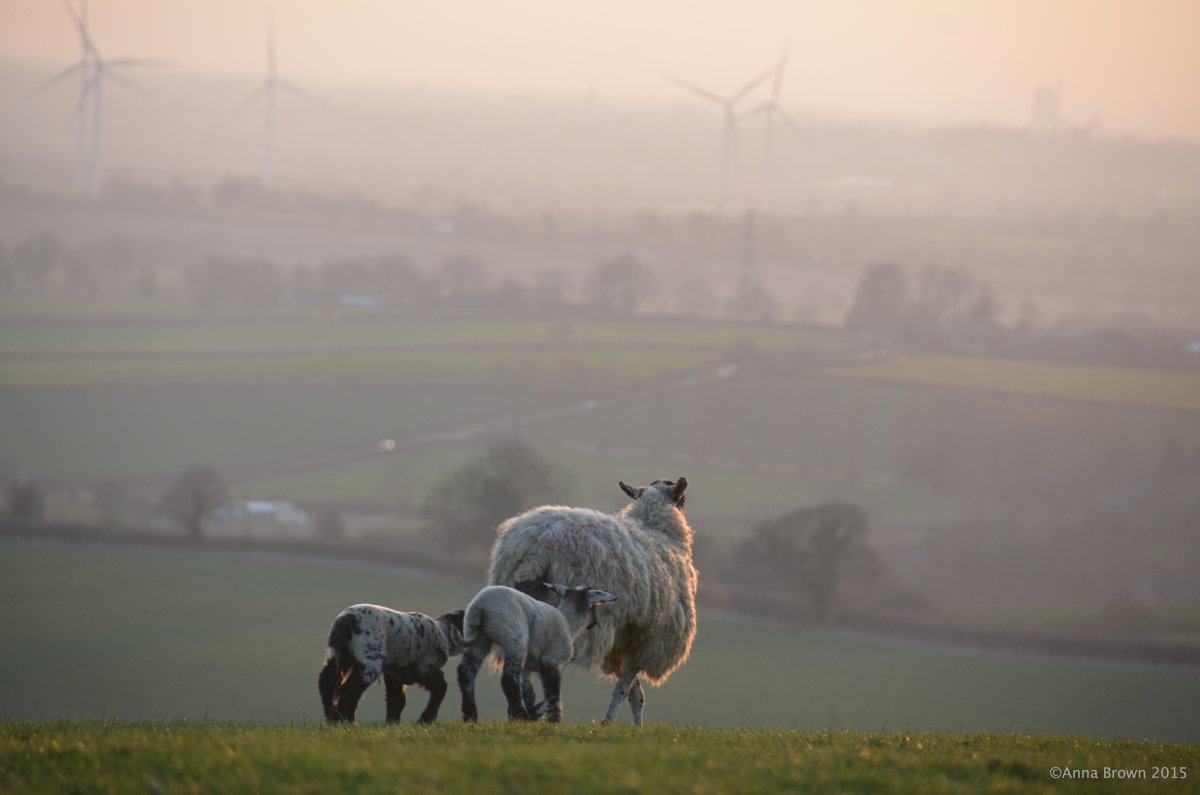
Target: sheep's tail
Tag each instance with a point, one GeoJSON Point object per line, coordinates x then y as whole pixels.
{"type": "Point", "coordinates": [472, 620]}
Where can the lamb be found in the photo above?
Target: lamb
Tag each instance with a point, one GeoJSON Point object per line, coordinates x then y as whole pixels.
{"type": "Point", "coordinates": [643, 554]}
{"type": "Point", "coordinates": [367, 641]}
{"type": "Point", "coordinates": [530, 636]}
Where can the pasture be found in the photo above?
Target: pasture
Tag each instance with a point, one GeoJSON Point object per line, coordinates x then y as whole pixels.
{"type": "Point", "coordinates": [125, 633]}
{"type": "Point", "coordinates": [118, 757]}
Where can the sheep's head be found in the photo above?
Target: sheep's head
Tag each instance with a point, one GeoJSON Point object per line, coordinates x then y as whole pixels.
{"type": "Point", "coordinates": [673, 490]}
{"type": "Point", "coordinates": [452, 627]}
{"type": "Point", "coordinates": [581, 599]}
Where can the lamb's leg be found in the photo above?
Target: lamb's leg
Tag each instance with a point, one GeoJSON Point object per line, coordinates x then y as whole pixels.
{"type": "Point", "coordinates": [395, 697]}
{"type": "Point", "coordinates": [637, 699]}
{"type": "Point", "coordinates": [551, 705]}
{"type": "Point", "coordinates": [528, 696]}
{"type": "Point", "coordinates": [511, 684]}
{"type": "Point", "coordinates": [620, 692]}
{"type": "Point", "coordinates": [327, 683]}
{"type": "Point", "coordinates": [436, 683]}
{"type": "Point", "coordinates": [468, 668]}
{"type": "Point", "coordinates": [353, 685]}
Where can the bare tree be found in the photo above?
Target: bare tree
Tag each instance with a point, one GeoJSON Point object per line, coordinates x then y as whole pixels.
{"type": "Point", "coordinates": [194, 493]}
{"type": "Point", "coordinates": [813, 553]}
{"type": "Point", "coordinates": [509, 477]}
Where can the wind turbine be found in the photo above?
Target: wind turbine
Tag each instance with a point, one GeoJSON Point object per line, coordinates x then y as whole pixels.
{"type": "Point", "coordinates": [729, 130]}
{"type": "Point", "coordinates": [772, 110]}
{"type": "Point", "coordinates": [83, 66]}
{"type": "Point", "coordinates": [267, 92]}
{"type": "Point", "coordinates": [93, 69]}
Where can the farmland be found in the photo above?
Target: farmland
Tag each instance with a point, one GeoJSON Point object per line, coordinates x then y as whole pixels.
{"type": "Point", "coordinates": [163, 636]}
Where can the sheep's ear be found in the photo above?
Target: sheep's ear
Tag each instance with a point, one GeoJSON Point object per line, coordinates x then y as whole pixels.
{"type": "Point", "coordinates": [680, 488]}
{"type": "Point", "coordinates": [629, 490]}
{"type": "Point", "coordinates": [599, 598]}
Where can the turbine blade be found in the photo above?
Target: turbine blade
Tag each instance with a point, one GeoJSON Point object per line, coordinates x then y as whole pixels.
{"type": "Point", "coordinates": [245, 103]}
{"type": "Point", "coordinates": [780, 68]}
{"type": "Point", "coordinates": [77, 114]}
{"type": "Point", "coordinates": [123, 63]}
{"type": "Point", "coordinates": [756, 111]}
{"type": "Point", "coordinates": [296, 90]}
{"type": "Point", "coordinates": [272, 69]}
{"type": "Point", "coordinates": [58, 78]}
{"type": "Point", "coordinates": [791, 123]}
{"type": "Point", "coordinates": [81, 26]}
{"type": "Point", "coordinates": [703, 93]}
{"type": "Point", "coordinates": [126, 83]}
{"type": "Point", "coordinates": [752, 84]}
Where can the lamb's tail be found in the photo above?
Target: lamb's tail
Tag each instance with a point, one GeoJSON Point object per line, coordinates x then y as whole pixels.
{"type": "Point", "coordinates": [472, 620]}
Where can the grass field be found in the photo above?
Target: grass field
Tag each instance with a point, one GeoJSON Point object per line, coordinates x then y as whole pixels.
{"type": "Point", "coordinates": [105, 632]}
{"type": "Point", "coordinates": [114, 757]}
{"type": "Point", "coordinates": [1123, 386]}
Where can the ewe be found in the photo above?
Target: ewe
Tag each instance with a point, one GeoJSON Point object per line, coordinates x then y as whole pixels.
{"type": "Point", "coordinates": [531, 637]}
{"type": "Point", "coordinates": [643, 554]}
{"type": "Point", "coordinates": [406, 648]}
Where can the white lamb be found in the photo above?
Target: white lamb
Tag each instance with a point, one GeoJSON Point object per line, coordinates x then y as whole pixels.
{"type": "Point", "coordinates": [643, 554]}
{"type": "Point", "coordinates": [530, 636]}
{"type": "Point", "coordinates": [369, 641]}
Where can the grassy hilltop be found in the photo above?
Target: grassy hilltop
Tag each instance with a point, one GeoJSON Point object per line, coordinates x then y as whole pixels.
{"type": "Point", "coordinates": [498, 757]}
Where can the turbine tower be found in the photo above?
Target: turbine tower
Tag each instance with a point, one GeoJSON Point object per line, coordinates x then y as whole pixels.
{"type": "Point", "coordinates": [729, 130]}
{"type": "Point", "coordinates": [267, 92]}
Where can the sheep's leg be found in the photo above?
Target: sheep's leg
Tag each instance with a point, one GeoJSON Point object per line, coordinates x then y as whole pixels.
{"type": "Point", "coordinates": [468, 669]}
{"type": "Point", "coordinates": [511, 683]}
{"type": "Point", "coordinates": [395, 697]}
{"type": "Point", "coordinates": [528, 696]}
{"type": "Point", "coordinates": [327, 683]}
{"type": "Point", "coordinates": [620, 692]}
{"type": "Point", "coordinates": [551, 705]}
{"type": "Point", "coordinates": [436, 684]}
{"type": "Point", "coordinates": [637, 699]}
{"type": "Point", "coordinates": [353, 685]}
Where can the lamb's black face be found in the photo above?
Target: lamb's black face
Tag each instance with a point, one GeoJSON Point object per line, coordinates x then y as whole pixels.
{"type": "Point", "coordinates": [672, 489]}
{"type": "Point", "coordinates": [455, 617]}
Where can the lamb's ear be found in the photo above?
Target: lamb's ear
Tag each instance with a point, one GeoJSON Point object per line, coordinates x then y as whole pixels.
{"type": "Point", "coordinates": [561, 590]}
{"type": "Point", "coordinates": [680, 488]}
{"type": "Point", "coordinates": [629, 490]}
{"type": "Point", "coordinates": [600, 598]}
{"type": "Point", "coordinates": [455, 617]}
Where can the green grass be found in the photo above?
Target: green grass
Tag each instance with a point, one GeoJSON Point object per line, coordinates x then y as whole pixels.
{"type": "Point", "coordinates": [330, 333]}
{"type": "Point", "coordinates": [116, 757]}
{"type": "Point", "coordinates": [139, 634]}
{"type": "Point", "coordinates": [1125, 386]}
{"type": "Point", "coordinates": [474, 368]}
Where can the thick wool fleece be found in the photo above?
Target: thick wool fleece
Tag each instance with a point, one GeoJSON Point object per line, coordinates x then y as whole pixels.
{"type": "Point", "coordinates": [643, 555]}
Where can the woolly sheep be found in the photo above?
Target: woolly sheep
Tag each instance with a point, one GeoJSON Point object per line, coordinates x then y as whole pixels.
{"type": "Point", "coordinates": [643, 554]}
{"type": "Point", "coordinates": [367, 641]}
{"type": "Point", "coordinates": [530, 636]}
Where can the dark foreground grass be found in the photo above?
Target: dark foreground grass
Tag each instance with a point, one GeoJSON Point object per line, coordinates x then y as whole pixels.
{"type": "Point", "coordinates": [101, 757]}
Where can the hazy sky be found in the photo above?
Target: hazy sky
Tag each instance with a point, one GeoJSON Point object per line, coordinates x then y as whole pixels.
{"type": "Point", "coordinates": [1134, 65]}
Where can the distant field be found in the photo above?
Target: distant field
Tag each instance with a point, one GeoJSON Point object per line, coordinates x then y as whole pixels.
{"type": "Point", "coordinates": [122, 757]}
{"type": "Point", "coordinates": [157, 635]}
{"type": "Point", "coordinates": [1107, 385]}
{"type": "Point", "coordinates": [331, 332]}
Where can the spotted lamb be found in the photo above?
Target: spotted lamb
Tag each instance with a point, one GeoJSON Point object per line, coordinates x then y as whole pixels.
{"type": "Point", "coordinates": [367, 641]}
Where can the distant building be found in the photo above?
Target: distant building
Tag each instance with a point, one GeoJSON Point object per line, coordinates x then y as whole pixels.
{"type": "Point", "coordinates": [260, 519]}
{"type": "Point", "coordinates": [1044, 115]}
